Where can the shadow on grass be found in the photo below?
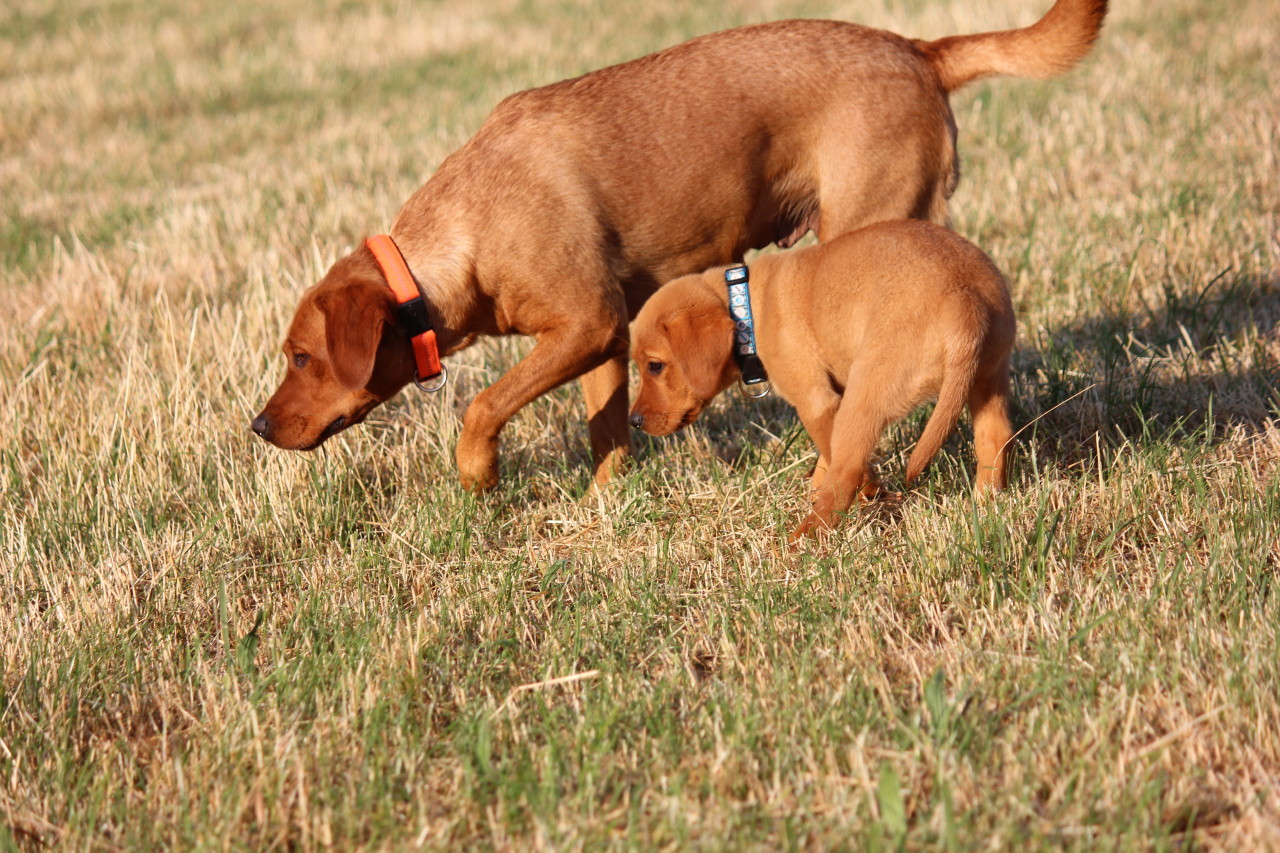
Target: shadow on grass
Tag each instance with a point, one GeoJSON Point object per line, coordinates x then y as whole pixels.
{"type": "Point", "coordinates": [1200, 363]}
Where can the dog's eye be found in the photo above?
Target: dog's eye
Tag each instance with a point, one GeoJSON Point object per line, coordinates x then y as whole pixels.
{"type": "Point", "coordinates": [300, 360]}
{"type": "Point", "coordinates": [655, 367]}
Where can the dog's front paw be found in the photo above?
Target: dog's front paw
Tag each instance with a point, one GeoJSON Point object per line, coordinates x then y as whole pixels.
{"type": "Point", "coordinates": [477, 465]}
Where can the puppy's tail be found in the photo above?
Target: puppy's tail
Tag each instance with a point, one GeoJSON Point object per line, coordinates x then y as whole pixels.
{"type": "Point", "coordinates": [957, 380]}
{"type": "Point", "coordinates": [1050, 46]}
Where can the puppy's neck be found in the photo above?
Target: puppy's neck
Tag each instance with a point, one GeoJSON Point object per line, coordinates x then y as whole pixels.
{"type": "Point", "coordinates": [760, 269]}
{"type": "Point", "coordinates": [763, 308]}
{"type": "Point", "coordinates": [708, 294]}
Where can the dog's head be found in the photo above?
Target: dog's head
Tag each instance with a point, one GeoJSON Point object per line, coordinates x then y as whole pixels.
{"type": "Point", "coordinates": [345, 355]}
{"type": "Point", "coordinates": [682, 343]}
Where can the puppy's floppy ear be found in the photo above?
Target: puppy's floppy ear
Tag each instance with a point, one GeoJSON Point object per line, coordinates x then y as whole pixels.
{"type": "Point", "coordinates": [703, 344]}
{"type": "Point", "coordinates": [355, 315]}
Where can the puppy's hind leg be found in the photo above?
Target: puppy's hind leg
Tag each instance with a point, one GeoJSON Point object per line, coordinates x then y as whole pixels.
{"type": "Point", "coordinates": [992, 434]}
{"type": "Point", "coordinates": [858, 424]}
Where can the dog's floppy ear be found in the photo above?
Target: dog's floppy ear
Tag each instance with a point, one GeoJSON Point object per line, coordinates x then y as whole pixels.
{"type": "Point", "coordinates": [703, 344]}
{"type": "Point", "coordinates": [355, 315]}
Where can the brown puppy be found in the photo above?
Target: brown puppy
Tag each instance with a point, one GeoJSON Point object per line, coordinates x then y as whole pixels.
{"type": "Point", "coordinates": [574, 202]}
{"type": "Point", "coordinates": [854, 333]}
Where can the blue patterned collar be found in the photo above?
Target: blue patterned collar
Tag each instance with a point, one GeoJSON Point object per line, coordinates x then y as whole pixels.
{"type": "Point", "coordinates": [744, 326]}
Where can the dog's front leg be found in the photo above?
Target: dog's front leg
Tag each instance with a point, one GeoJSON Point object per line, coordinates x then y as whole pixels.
{"type": "Point", "coordinates": [817, 407]}
{"type": "Point", "coordinates": [561, 354]}
{"type": "Point", "coordinates": [605, 391]}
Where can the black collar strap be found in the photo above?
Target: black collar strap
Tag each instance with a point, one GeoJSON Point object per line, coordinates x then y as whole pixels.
{"type": "Point", "coordinates": [744, 327]}
{"type": "Point", "coordinates": [411, 313]}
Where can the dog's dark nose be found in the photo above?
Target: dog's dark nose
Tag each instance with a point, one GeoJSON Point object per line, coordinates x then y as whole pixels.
{"type": "Point", "coordinates": [637, 421]}
{"type": "Point", "coordinates": [260, 425]}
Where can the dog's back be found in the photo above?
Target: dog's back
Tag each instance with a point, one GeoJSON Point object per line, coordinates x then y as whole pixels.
{"type": "Point", "coordinates": [964, 310]}
{"type": "Point", "coordinates": [906, 288]}
{"type": "Point", "coordinates": [745, 137]}
{"type": "Point", "coordinates": [898, 313]}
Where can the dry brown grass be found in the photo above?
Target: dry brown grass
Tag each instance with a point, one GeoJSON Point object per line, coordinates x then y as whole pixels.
{"type": "Point", "coordinates": [209, 643]}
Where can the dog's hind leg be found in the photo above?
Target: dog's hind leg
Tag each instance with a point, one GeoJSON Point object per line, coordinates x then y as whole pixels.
{"type": "Point", "coordinates": [605, 392]}
{"type": "Point", "coordinates": [917, 197]}
{"type": "Point", "coordinates": [857, 184]}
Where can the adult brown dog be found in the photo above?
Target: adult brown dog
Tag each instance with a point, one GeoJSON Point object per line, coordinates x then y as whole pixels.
{"type": "Point", "coordinates": [573, 203]}
{"type": "Point", "coordinates": [855, 333]}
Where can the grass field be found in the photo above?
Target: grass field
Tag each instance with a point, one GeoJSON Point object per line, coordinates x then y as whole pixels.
{"type": "Point", "coordinates": [210, 643]}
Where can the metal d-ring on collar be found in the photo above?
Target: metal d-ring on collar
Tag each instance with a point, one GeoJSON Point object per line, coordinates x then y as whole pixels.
{"type": "Point", "coordinates": [744, 332]}
{"type": "Point", "coordinates": [433, 383]}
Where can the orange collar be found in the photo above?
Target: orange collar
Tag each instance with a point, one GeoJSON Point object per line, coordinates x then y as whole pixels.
{"type": "Point", "coordinates": [411, 311]}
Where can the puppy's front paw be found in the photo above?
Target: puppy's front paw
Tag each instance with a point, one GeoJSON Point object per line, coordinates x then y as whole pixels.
{"type": "Point", "coordinates": [871, 490]}
{"type": "Point", "coordinates": [810, 527]}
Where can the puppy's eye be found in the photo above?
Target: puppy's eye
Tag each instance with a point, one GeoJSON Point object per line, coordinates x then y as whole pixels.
{"type": "Point", "coordinates": [655, 368]}
{"type": "Point", "coordinates": [300, 360]}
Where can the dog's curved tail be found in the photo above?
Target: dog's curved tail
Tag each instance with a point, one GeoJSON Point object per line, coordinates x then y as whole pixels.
{"type": "Point", "coordinates": [1050, 46]}
{"type": "Point", "coordinates": [957, 380]}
